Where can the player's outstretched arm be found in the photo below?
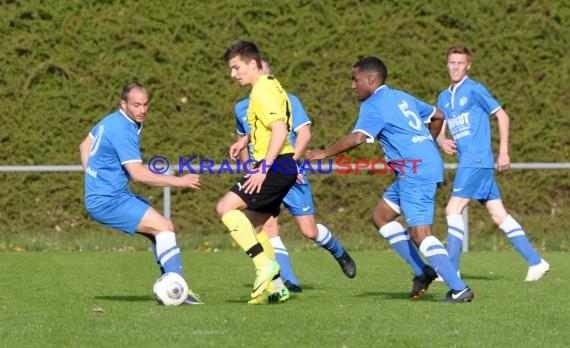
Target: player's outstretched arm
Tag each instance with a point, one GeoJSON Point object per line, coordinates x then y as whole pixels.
{"type": "Point", "coordinates": [140, 173]}
{"type": "Point", "coordinates": [84, 149]}
{"type": "Point", "coordinates": [347, 143]}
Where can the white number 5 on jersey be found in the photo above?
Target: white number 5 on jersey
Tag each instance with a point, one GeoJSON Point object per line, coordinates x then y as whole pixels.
{"type": "Point", "coordinates": [415, 122]}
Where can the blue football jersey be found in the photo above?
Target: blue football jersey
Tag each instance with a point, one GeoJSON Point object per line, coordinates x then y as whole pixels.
{"type": "Point", "coordinates": [240, 111]}
{"type": "Point", "coordinates": [467, 108]}
{"type": "Point", "coordinates": [397, 120]}
{"type": "Point", "coordinates": [116, 142]}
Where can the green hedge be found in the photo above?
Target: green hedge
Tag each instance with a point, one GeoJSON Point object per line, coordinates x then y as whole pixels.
{"type": "Point", "coordinates": [62, 64]}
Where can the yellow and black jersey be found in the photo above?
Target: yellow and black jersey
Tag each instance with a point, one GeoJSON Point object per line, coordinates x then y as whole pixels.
{"type": "Point", "coordinates": [268, 103]}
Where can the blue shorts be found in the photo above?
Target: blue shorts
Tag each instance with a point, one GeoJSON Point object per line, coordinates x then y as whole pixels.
{"type": "Point", "coordinates": [416, 201]}
{"type": "Point", "coordinates": [124, 212]}
{"type": "Point", "coordinates": [299, 200]}
{"type": "Point", "coordinates": [476, 183]}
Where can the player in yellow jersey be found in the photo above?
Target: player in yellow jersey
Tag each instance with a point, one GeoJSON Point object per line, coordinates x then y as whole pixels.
{"type": "Point", "coordinates": [259, 194]}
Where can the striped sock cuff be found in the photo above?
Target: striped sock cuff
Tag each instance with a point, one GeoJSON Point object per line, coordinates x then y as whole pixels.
{"type": "Point", "coordinates": [511, 227]}
{"type": "Point", "coordinates": [324, 235]}
{"type": "Point", "coordinates": [455, 226]}
{"type": "Point", "coordinates": [394, 232]}
{"type": "Point", "coordinates": [432, 246]}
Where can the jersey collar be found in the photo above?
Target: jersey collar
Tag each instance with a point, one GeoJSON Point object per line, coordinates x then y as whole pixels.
{"type": "Point", "coordinates": [451, 89]}
{"type": "Point", "coordinates": [379, 88]}
{"type": "Point", "coordinates": [138, 125]}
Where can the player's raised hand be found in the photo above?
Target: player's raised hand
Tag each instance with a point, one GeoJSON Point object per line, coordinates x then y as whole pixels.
{"type": "Point", "coordinates": [190, 180]}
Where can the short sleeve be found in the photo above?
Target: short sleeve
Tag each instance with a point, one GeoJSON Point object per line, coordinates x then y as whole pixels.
{"type": "Point", "coordinates": [127, 147]}
{"type": "Point", "coordinates": [370, 121]}
{"type": "Point", "coordinates": [300, 117]}
{"type": "Point", "coordinates": [486, 100]}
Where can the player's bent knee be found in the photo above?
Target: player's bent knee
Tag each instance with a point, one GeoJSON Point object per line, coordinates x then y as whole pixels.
{"type": "Point", "coordinates": [223, 206]}
{"type": "Point", "coordinates": [271, 228]}
{"type": "Point", "coordinates": [154, 223]}
{"type": "Point", "coordinates": [310, 232]}
{"type": "Point", "coordinates": [499, 219]}
{"type": "Point", "coordinates": [378, 221]}
{"type": "Point", "coordinates": [220, 209]}
{"type": "Point", "coordinates": [169, 225]}
{"type": "Point", "coordinates": [419, 233]}
{"type": "Point", "coordinates": [456, 205]}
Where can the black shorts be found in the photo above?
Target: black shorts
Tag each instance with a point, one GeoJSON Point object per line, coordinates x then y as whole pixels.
{"type": "Point", "coordinates": [281, 176]}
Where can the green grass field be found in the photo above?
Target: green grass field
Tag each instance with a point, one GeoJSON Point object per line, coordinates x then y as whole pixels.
{"type": "Point", "coordinates": [83, 299]}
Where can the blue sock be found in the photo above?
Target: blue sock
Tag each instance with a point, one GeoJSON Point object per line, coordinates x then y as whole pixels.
{"type": "Point", "coordinates": [282, 258]}
{"type": "Point", "coordinates": [435, 252]}
{"type": "Point", "coordinates": [326, 240]}
{"type": "Point", "coordinates": [518, 238]}
{"type": "Point", "coordinates": [455, 233]}
{"type": "Point", "coordinates": [168, 252]}
{"type": "Point", "coordinates": [400, 240]}
{"type": "Point", "coordinates": [156, 258]}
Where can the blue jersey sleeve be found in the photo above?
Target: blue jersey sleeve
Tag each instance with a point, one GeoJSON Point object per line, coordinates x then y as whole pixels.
{"type": "Point", "coordinates": [441, 100]}
{"type": "Point", "coordinates": [370, 121]}
{"type": "Point", "coordinates": [94, 130]}
{"type": "Point", "coordinates": [485, 99]}
{"type": "Point", "coordinates": [240, 110]}
{"type": "Point", "coordinates": [300, 117]}
{"type": "Point", "coordinates": [127, 147]}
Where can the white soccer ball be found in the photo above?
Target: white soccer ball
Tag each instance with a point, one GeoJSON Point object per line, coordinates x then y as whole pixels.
{"type": "Point", "coordinates": [170, 289]}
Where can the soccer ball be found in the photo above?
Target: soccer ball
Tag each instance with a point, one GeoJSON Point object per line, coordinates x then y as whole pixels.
{"type": "Point", "coordinates": [170, 289]}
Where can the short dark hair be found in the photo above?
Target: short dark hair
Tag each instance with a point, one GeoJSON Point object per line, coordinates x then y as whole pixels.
{"type": "Point", "coordinates": [459, 49]}
{"type": "Point", "coordinates": [247, 50]}
{"type": "Point", "coordinates": [373, 65]}
{"type": "Point", "coordinates": [129, 87]}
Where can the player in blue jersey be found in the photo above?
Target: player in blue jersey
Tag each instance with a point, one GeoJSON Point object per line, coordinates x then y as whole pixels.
{"type": "Point", "coordinates": [397, 120]}
{"type": "Point", "coordinates": [299, 199]}
{"type": "Point", "coordinates": [467, 105]}
{"type": "Point", "coordinates": [111, 157]}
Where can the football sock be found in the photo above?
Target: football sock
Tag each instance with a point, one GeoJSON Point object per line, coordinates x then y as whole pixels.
{"type": "Point", "coordinates": [168, 252]}
{"type": "Point", "coordinates": [326, 240]}
{"type": "Point", "coordinates": [435, 252]}
{"type": "Point", "coordinates": [282, 257]}
{"type": "Point", "coordinates": [267, 247]}
{"type": "Point", "coordinates": [400, 240]}
{"type": "Point", "coordinates": [518, 238]}
{"type": "Point", "coordinates": [156, 257]}
{"type": "Point", "coordinates": [455, 233]}
{"type": "Point", "coordinates": [243, 233]}
{"type": "Point", "coordinates": [263, 239]}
